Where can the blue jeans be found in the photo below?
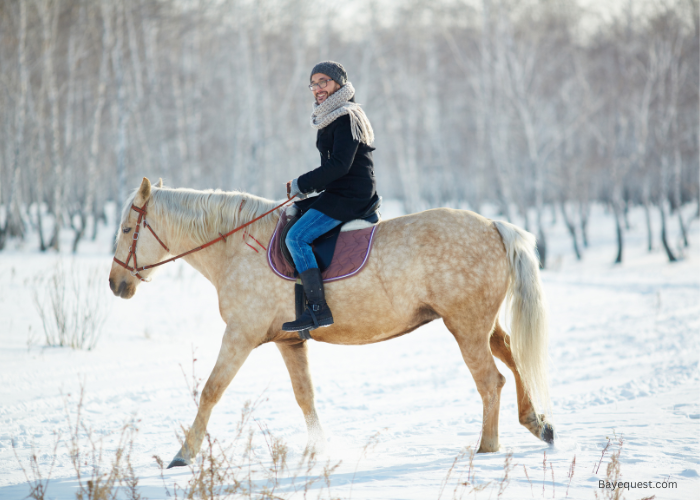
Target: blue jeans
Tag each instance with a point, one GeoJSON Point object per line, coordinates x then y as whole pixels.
{"type": "Point", "coordinates": [311, 225]}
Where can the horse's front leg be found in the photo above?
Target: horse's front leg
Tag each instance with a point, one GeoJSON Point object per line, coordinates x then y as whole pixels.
{"type": "Point", "coordinates": [295, 356]}
{"type": "Point", "coordinates": [235, 348]}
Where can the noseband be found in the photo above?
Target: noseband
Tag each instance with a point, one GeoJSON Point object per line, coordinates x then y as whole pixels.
{"type": "Point", "coordinates": [142, 218]}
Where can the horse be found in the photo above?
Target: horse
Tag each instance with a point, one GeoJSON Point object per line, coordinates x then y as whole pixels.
{"type": "Point", "coordinates": [440, 263]}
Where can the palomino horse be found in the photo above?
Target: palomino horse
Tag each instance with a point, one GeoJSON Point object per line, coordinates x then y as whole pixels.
{"type": "Point", "coordinates": [441, 263]}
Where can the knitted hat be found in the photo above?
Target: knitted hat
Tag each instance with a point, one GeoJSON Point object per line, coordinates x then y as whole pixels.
{"type": "Point", "coordinates": [333, 69]}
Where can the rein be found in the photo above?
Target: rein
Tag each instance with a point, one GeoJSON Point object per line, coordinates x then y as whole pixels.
{"type": "Point", "coordinates": [142, 218]}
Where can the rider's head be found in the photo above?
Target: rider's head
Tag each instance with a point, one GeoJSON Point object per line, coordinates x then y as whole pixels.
{"type": "Point", "coordinates": [326, 78]}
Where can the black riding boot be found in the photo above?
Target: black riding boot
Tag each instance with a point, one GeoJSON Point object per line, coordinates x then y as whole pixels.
{"type": "Point", "coordinates": [317, 312]}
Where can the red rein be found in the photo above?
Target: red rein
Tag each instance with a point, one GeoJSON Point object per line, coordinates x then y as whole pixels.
{"type": "Point", "coordinates": [142, 218]}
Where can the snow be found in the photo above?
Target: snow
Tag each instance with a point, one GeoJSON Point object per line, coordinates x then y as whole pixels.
{"type": "Point", "coordinates": [624, 351]}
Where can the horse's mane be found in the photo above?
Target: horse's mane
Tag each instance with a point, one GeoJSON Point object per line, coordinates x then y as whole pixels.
{"type": "Point", "coordinates": [202, 215]}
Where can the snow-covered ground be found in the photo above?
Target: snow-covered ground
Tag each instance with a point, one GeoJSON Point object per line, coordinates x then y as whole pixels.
{"type": "Point", "coordinates": [624, 350]}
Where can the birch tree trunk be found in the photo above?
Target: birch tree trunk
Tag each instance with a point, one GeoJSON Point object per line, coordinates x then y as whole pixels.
{"type": "Point", "coordinates": [668, 88]}
{"type": "Point", "coordinates": [49, 17]}
{"type": "Point", "coordinates": [498, 121]}
{"type": "Point", "coordinates": [181, 129]}
{"type": "Point", "coordinates": [435, 124]}
{"type": "Point", "coordinates": [665, 174]}
{"type": "Point", "coordinates": [265, 156]}
{"type": "Point", "coordinates": [40, 155]}
{"type": "Point", "coordinates": [75, 207]}
{"type": "Point", "coordinates": [299, 74]}
{"type": "Point", "coordinates": [407, 171]}
{"type": "Point", "coordinates": [697, 146]}
{"type": "Point", "coordinates": [571, 227]}
{"type": "Point", "coordinates": [137, 90]}
{"type": "Point", "coordinates": [194, 75]}
{"type": "Point", "coordinates": [159, 144]}
{"type": "Point", "coordinates": [105, 11]}
{"type": "Point", "coordinates": [678, 71]}
{"type": "Point", "coordinates": [584, 212]}
{"type": "Point", "coordinates": [120, 107]}
{"type": "Point", "coordinates": [617, 211]}
{"type": "Point", "coordinates": [646, 201]}
{"type": "Point", "coordinates": [14, 226]}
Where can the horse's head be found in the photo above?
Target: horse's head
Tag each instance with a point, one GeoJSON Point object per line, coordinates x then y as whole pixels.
{"type": "Point", "coordinates": [136, 246]}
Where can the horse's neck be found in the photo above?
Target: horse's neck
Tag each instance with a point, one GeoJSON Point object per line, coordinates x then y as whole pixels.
{"type": "Point", "coordinates": [239, 249]}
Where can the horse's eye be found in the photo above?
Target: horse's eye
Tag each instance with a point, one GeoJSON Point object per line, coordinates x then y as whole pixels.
{"type": "Point", "coordinates": [126, 230]}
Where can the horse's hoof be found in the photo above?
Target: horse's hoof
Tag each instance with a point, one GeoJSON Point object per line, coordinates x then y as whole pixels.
{"type": "Point", "coordinates": [547, 434]}
{"type": "Point", "coordinates": [178, 462]}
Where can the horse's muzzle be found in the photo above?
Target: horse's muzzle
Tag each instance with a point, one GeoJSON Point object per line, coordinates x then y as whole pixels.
{"type": "Point", "coordinates": [123, 290]}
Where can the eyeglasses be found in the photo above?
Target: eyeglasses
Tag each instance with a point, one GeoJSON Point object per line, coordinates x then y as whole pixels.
{"type": "Point", "coordinates": [320, 85]}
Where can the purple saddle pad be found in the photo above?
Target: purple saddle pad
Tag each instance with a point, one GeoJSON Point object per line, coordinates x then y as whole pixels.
{"type": "Point", "coordinates": [350, 256]}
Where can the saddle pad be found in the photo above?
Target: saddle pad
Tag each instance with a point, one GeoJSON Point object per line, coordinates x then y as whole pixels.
{"type": "Point", "coordinates": [351, 254]}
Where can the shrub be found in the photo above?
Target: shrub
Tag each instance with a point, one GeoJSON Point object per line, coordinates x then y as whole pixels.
{"type": "Point", "coordinates": [72, 306]}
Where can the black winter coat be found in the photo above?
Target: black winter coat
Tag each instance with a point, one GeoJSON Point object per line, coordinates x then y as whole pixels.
{"type": "Point", "coordinates": [346, 174]}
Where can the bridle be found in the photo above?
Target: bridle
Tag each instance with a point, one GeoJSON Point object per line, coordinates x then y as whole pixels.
{"type": "Point", "coordinates": [136, 270]}
{"type": "Point", "coordinates": [134, 240]}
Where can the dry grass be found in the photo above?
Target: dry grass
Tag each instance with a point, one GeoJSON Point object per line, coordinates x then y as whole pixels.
{"type": "Point", "coordinates": [73, 306]}
{"type": "Point", "coordinates": [466, 485]}
{"type": "Point", "coordinates": [37, 480]}
{"type": "Point", "coordinates": [97, 478]}
{"type": "Point", "coordinates": [234, 471]}
{"type": "Point", "coordinates": [572, 468]}
{"type": "Point", "coordinates": [612, 471]}
{"type": "Point", "coordinates": [237, 470]}
{"type": "Point", "coordinates": [369, 445]}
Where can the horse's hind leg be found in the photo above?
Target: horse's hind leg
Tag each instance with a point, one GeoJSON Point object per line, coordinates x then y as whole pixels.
{"type": "Point", "coordinates": [296, 358]}
{"type": "Point", "coordinates": [474, 345]}
{"type": "Point", "coordinates": [500, 348]}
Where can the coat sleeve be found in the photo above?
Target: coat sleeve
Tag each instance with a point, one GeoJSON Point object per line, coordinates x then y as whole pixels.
{"type": "Point", "coordinates": [339, 163]}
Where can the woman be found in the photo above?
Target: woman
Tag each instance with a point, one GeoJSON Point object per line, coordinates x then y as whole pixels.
{"type": "Point", "coordinates": [345, 180]}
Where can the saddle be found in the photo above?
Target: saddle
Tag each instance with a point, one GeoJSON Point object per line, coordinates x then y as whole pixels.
{"type": "Point", "coordinates": [340, 253]}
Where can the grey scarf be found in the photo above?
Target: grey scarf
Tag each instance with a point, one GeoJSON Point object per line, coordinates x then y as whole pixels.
{"type": "Point", "coordinates": [338, 104]}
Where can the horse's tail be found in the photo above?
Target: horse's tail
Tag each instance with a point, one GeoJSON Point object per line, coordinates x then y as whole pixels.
{"type": "Point", "coordinates": [529, 330]}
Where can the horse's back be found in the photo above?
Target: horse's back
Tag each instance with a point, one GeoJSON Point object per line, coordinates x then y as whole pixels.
{"type": "Point", "coordinates": [422, 266]}
{"type": "Point", "coordinates": [440, 243]}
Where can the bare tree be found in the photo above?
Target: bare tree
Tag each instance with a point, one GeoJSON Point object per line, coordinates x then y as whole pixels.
{"type": "Point", "coordinates": [512, 103]}
{"type": "Point", "coordinates": [49, 13]}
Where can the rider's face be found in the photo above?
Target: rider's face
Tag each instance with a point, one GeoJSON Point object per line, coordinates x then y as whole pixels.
{"type": "Point", "coordinates": [321, 94]}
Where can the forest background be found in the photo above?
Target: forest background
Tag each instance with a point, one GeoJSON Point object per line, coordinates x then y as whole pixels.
{"type": "Point", "coordinates": [541, 107]}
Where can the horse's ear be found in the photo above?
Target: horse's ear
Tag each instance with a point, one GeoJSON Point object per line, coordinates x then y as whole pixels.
{"type": "Point", "coordinates": [145, 190]}
{"type": "Point", "coordinates": [160, 183]}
